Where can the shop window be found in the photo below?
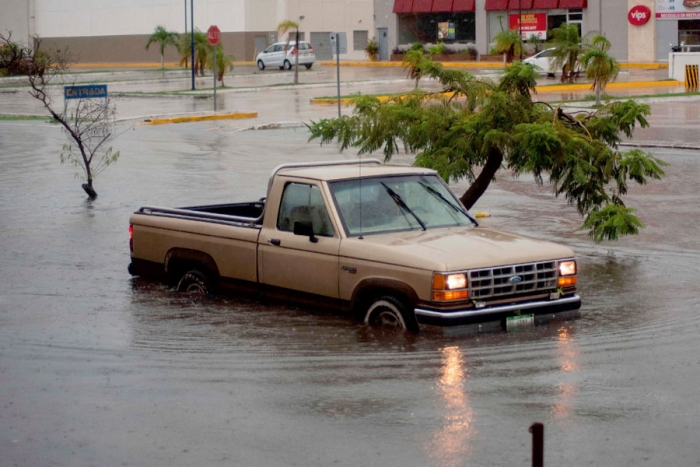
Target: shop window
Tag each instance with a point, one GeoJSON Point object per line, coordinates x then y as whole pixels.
{"type": "Point", "coordinates": [359, 40]}
{"type": "Point", "coordinates": [460, 27]}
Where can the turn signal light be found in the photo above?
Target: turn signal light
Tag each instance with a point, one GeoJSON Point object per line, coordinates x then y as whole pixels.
{"type": "Point", "coordinates": [450, 295]}
{"type": "Point", "coordinates": [566, 281]}
{"type": "Point", "coordinates": [131, 238]}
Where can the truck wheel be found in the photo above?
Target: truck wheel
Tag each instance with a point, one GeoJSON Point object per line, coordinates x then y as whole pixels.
{"type": "Point", "coordinates": [194, 283]}
{"type": "Point", "coordinates": [389, 311]}
{"type": "Point", "coordinates": [287, 65]}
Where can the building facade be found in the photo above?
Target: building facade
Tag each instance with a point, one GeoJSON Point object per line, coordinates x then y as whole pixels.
{"type": "Point", "coordinates": [117, 30]}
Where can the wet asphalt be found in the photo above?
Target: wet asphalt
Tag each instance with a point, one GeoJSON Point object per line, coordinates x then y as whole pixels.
{"type": "Point", "coordinates": [98, 368]}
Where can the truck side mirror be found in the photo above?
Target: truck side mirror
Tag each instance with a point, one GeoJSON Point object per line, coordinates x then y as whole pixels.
{"type": "Point", "coordinates": [306, 229]}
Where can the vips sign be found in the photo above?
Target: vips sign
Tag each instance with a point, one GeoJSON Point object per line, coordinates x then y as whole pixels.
{"type": "Point", "coordinates": [533, 24]}
{"type": "Point", "coordinates": [639, 15]}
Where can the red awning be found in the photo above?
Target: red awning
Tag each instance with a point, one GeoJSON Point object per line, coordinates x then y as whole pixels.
{"type": "Point", "coordinates": [545, 4]}
{"type": "Point", "coordinates": [442, 6]}
{"type": "Point", "coordinates": [520, 4]}
{"type": "Point", "coordinates": [403, 6]}
{"type": "Point", "coordinates": [463, 5]}
{"type": "Point", "coordinates": [496, 5]}
{"type": "Point", "coordinates": [422, 6]}
{"type": "Point", "coordinates": [572, 4]}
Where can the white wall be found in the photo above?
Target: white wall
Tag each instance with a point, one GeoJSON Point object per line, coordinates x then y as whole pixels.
{"type": "Point", "coordinates": [76, 18]}
{"type": "Point", "coordinates": [14, 17]}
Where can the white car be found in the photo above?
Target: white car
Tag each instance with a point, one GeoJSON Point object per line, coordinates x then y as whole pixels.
{"type": "Point", "coordinates": [275, 55]}
{"type": "Point", "coordinates": [544, 62]}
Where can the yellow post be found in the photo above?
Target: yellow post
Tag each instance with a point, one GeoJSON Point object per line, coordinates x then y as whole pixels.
{"type": "Point", "coordinates": [691, 78]}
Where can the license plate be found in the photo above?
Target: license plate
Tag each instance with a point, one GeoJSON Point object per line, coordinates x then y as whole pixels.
{"type": "Point", "coordinates": [514, 322]}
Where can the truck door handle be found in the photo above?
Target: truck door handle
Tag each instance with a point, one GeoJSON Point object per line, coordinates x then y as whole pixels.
{"type": "Point", "coordinates": [274, 241]}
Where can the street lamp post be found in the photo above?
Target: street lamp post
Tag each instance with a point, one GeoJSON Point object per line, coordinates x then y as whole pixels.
{"type": "Point", "coordinates": [520, 27]}
{"type": "Point", "coordinates": [185, 29]}
{"type": "Point", "coordinates": [192, 36]}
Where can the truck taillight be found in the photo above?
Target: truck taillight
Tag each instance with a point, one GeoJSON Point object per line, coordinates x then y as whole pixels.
{"type": "Point", "coordinates": [312, 48]}
{"type": "Point", "coordinates": [131, 238]}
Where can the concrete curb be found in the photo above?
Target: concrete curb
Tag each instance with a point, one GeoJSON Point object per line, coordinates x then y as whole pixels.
{"type": "Point", "coordinates": [498, 64]}
{"type": "Point", "coordinates": [539, 89]}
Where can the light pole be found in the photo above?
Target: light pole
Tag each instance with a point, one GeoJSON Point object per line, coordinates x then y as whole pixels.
{"type": "Point", "coordinates": [296, 56]}
{"type": "Point", "coordinates": [520, 27]}
{"type": "Point", "coordinates": [185, 29]}
{"type": "Point", "coordinates": [192, 36]}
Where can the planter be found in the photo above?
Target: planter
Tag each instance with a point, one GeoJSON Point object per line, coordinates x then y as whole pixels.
{"type": "Point", "coordinates": [491, 58]}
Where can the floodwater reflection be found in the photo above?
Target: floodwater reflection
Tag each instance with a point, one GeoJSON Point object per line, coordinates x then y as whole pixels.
{"type": "Point", "coordinates": [568, 356]}
{"type": "Point", "coordinates": [451, 443]}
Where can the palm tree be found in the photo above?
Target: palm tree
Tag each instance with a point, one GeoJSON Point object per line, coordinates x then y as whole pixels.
{"type": "Point", "coordinates": [202, 50]}
{"type": "Point", "coordinates": [508, 42]}
{"type": "Point", "coordinates": [282, 28]}
{"type": "Point", "coordinates": [599, 66]}
{"type": "Point", "coordinates": [222, 63]}
{"type": "Point", "coordinates": [164, 38]}
{"type": "Point", "coordinates": [568, 46]}
{"type": "Point", "coordinates": [414, 62]}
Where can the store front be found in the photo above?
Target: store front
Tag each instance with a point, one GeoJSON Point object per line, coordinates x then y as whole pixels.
{"type": "Point", "coordinates": [432, 21]}
{"type": "Point", "coordinates": [678, 26]}
{"type": "Point", "coordinates": [544, 15]}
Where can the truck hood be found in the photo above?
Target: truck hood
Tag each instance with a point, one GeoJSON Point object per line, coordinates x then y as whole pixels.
{"type": "Point", "coordinates": [452, 249]}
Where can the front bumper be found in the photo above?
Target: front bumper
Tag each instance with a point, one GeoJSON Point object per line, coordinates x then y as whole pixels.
{"type": "Point", "coordinates": [498, 312]}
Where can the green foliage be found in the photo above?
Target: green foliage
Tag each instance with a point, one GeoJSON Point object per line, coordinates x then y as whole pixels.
{"type": "Point", "coordinates": [489, 126]}
{"type": "Point", "coordinates": [415, 62]}
{"type": "Point", "coordinates": [508, 42]}
{"type": "Point", "coordinates": [223, 62]}
{"type": "Point", "coordinates": [438, 49]}
{"type": "Point", "coordinates": [372, 49]}
{"type": "Point", "coordinates": [163, 38]}
{"type": "Point", "coordinates": [417, 46]}
{"type": "Point", "coordinates": [599, 66]}
{"type": "Point", "coordinates": [202, 49]}
{"type": "Point", "coordinates": [568, 46]}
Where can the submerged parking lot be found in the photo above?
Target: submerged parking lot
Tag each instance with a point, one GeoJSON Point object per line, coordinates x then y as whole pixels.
{"type": "Point", "coordinates": [99, 368]}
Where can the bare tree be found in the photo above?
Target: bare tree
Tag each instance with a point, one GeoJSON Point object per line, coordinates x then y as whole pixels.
{"type": "Point", "coordinates": [89, 123]}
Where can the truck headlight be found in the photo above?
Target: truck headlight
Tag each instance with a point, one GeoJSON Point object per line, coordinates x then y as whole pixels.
{"type": "Point", "coordinates": [567, 274]}
{"type": "Point", "coordinates": [567, 268]}
{"type": "Point", "coordinates": [448, 287]}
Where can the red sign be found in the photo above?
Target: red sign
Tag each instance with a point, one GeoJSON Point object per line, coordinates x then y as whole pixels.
{"type": "Point", "coordinates": [213, 35]}
{"type": "Point", "coordinates": [639, 15]}
{"type": "Point", "coordinates": [533, 24]}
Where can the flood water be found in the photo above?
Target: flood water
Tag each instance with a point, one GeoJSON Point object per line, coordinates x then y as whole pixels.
{"type": "Point", "coordinates": [98, 368]}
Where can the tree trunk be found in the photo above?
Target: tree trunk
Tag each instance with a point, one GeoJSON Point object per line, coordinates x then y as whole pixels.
{"type": "Point", "coordinates": [89, 190]}
{"type": "Point", "coordinates": [162, 61]}
{"type": "Point", "coordinates": [597, 92]}
{"type": "Point", "coordinates": [482, 182]}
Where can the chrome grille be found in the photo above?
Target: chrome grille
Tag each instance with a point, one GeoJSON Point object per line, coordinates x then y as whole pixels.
{"type": "Point", "coordinates": [499, 282]}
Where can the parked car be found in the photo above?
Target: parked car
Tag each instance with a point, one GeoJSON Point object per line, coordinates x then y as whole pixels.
{"type": "Point", "coordinates": [544, 62]}
{"type": "Point", "coordinates": [282, 54]}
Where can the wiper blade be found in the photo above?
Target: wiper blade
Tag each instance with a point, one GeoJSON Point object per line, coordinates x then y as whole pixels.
{"type": "Point", "coordinates": [399, 200]}
{"type": "Point", "coordinates": [448, 202]}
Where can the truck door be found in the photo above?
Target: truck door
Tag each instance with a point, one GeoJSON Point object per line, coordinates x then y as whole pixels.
{"type": "Point", "coordinates": [300, 262]}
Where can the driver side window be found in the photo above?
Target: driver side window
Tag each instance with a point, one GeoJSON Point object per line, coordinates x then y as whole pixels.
{"type": "Point", "coordinates": [304, 203]}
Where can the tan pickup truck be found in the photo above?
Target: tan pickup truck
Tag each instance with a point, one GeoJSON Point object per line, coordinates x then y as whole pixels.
{"type": "Point", "coordinates": [391, 244]}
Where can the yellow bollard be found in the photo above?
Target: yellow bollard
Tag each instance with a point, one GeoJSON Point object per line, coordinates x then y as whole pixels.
{"type": "Point", "coordinates": [691, 78]}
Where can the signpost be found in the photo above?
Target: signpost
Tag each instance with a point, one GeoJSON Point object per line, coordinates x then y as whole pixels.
{"type": "Point", "coordinates": [89, 91]}
{"type": "Point", "coordinates": [339, 44]}
{"type": "Point", "coordinates": [214, 36]}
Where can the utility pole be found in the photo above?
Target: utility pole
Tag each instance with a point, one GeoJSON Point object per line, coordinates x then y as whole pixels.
{"type": "Point", "coordinates": [185, 29]}
{"type": "Point", "coordinates": [192, 41]}
{"type": "Point", "coordinates": [520, 27]}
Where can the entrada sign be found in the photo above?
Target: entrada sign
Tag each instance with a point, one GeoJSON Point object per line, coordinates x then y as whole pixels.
{"type": "Point", "coordinates": [85, 92]}
{"type": "Point", "coordinates": [639, 15]}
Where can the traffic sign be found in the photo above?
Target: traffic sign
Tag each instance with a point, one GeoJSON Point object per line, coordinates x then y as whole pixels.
{"type": "Point", "coordinates": [213, 34]}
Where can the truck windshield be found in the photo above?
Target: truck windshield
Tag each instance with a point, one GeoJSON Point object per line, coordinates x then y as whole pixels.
{"type": "Point", "coordinates": [366, 206]}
